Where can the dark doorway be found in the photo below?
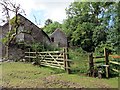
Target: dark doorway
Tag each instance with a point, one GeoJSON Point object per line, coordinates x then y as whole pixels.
{"type": "Point", "coordinates": [52, 39]}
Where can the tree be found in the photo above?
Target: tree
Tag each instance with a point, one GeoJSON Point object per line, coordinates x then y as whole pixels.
{"type": "Point", "coordinates": [10, 7]}
{"type": "Point", "coordinates": [114, 31]}
{"type": "Point", "coordinates": [48, 21]}
{"type": "Point", "coordinates": [49, 29]}
{"type": "Point", "coordinates": [86, 25]}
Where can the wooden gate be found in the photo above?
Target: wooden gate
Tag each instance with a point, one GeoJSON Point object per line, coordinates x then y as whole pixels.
{"type": "Point", "coordinates": [109, 60]}
{"type": "Point", "coordinates": [56, 59]}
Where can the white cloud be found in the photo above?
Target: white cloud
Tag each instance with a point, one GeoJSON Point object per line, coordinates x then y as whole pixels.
{"type": "Point", "coordinates": [53, 9]}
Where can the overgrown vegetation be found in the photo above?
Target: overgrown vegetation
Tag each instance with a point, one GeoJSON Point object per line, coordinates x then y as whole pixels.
{"type": "Point", "coordinates": [79, 62]}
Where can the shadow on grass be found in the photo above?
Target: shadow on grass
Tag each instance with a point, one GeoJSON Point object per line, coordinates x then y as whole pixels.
{"type": "Point", "coordinates": [55, 70]}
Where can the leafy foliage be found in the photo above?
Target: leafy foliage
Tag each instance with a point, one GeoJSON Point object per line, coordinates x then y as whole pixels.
{"type": "Point", "coordinates": [42, 47]}
{"type": "Point", "coordinates": [87, 24]}
{"type": "Point", "coordinates": [114, 31]}
{"type": "Point", "coordinates": [48, 21]}
{"type": "Point", "coordinates": [49, 29]}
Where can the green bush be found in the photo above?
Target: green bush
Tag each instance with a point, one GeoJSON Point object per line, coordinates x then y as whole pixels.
{"type": "Point", "coordinates": [43, 47]}
{"type": "Point", "coordinates": [37, 47]}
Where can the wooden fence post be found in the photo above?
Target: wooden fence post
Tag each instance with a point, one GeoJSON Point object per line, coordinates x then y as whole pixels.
{"type": "Point", "coordinates": [106, 62]}
{"type": "Point", "coordinates": [64, 57]}
{"type": "Point", "coordinates": [67, 62]}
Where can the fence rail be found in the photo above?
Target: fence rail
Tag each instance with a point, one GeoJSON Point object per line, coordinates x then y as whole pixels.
{"type": "Point", "coordinates": [56, 59]}
{"type": "Point", "coordinates": [108, 61]}
{"type": "Point", "coordinates": [115, 70]}
{"type": "Point", "coordinates": [114, 56]}
{"type": "Point", "coordinates": [113, 62]}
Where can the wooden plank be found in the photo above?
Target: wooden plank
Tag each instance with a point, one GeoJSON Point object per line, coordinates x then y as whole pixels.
{"type": "Point", "coordinates": [115, 70]}
{"type": "Point", "coordinates": [52, 62]}
{"type": "Point", "coordinates": [30, 56]}
{"type": "Point", "coordinates": [59, 59]}
{"type": "Point", "coordinates": [114, 56]}
{"type": "Point", "coordinates": [67, 62]}
{"type": "Point", "coordinates": [113, 62]}
{"type": "Point", "coordinates": [51, 52]}
{"type": "Point", "coordinates": [106, 54]}
{"type": "Point", "coordinates": [52, 55]}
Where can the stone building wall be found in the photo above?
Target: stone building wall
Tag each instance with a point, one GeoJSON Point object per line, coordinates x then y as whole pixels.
{"type": "Point", "coordinates": [0, 42]}
{"type": "Point", "coordinates": [58, 38]}
{"type": "Point", "coordinates": [33, 34]}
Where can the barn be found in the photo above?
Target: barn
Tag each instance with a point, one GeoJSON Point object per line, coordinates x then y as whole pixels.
{"type": "Point", "coordinates": [31, 34]}
{"type": "Point", "coordinates": [58, 38]}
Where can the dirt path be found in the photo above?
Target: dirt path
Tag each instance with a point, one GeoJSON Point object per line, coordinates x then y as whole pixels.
{"type": "Point", "coordinates": [53, 80]}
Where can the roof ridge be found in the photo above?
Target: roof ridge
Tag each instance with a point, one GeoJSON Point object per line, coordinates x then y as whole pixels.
{"type": "Point", "coordinates": [58, 29]}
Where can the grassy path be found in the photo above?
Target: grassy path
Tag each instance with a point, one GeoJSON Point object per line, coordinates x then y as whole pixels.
{"type": "Point", "coordinates": [25, 75]}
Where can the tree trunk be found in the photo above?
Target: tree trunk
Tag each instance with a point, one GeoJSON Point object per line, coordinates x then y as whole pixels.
{"type": "Point", "coordinates": [91, 64]}
{"type": "Point", "coordinates": [7, 46]}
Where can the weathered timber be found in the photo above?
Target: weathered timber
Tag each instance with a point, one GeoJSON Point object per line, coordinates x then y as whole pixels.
{"type": "Point", "coordinates": [67, 62]}
{"type": "Point", "coordinates": [30, 57]}
{"type": "Point", "coordinates": [56, 59]}
{"type": "Point", "coordinates": [106, 54]}
{"type": "Point", "coordinates": [113, 62]}
{"type": "Point", "coordinates": [115, 70]}
{"type": "Point", "coordinates": [114, 56]}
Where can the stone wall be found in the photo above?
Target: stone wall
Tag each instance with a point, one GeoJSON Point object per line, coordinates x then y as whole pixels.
{"type": "Point", "coordinates": [59, 38]}
{"type": "Point", "coordinates": [16, 53]}
{"type": "Point", "coordinates": [33, 34]}
{"type": "Point", "coordinates": [37, 34]}
{"type": "Point", "coordinates": [0, 42]}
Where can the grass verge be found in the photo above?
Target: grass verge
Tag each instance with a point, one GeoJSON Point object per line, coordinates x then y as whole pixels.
{"type": "Point", "coordinates": [25, 75]}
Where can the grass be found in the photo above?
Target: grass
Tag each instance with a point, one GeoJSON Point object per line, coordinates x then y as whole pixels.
{"type": "Point", "coordinates": [79, 61]}
{"type": "Point", "coordinates": [25, 75]}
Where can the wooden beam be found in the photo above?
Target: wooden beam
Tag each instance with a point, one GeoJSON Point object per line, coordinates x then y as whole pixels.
{"type": "Point", "coordinates": [114, 56]}
{"type": "Point", "coordinates": [115, 70]}
{"type": "Point", "coordinates": [106, 62]}
{"type": "Point", "coordinates": [51, 52]}
{"type": "Point", "coordinates": [30, 56]}
{"type": "Point", "coordinates": [52, 61]}
{"type": "Point", "coordinates": [113, 62]}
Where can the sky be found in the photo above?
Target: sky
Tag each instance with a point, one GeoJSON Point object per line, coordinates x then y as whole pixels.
{"type": "Point", "coordinates": [43, 10]}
